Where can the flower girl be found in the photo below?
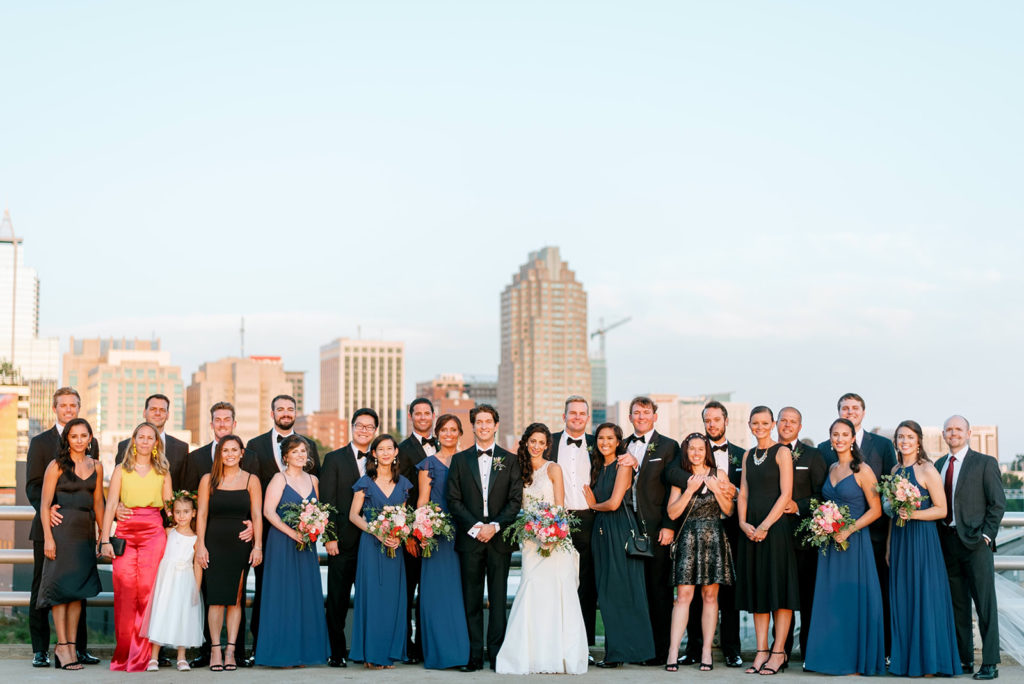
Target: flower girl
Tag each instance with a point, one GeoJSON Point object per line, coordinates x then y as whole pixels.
{"type": "Point", "coordinates": [176, 612]}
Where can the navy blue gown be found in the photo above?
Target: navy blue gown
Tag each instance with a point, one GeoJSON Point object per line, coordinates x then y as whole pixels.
{"type": "Point", "coordinates": [921, 610]}
{"type": "Point", "coordinates": [444, 635]}
{"type": "Point", "coordinates": [847, 630]}
{"type": "Point", "coordinates": [378, 627]}
{"type": "Point", "coordinates": [293, 629]}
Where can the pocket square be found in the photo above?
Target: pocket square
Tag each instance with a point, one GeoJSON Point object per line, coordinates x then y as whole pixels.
{"type": "Point", "coordinates": [652, 460]}
{"type": "Point", "coordinates": [801, 467]}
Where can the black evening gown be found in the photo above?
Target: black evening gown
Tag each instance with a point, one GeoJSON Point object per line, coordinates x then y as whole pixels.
{"type": "Point", "coordinates": [72, 575]}
{"type": "Point", "coordinates": [229, 555]}
{"type": "Point", "coordinates": [766, 576]}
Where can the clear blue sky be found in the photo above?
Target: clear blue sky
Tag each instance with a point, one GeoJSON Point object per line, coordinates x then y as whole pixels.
{"type": "Point", "coordinates": [792, 199]}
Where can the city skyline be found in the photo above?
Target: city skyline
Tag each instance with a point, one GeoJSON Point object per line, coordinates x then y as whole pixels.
{"type": "Point", "coordinates": [779, 219]}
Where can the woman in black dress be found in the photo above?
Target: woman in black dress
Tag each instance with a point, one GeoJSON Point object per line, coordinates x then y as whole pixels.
{"type": "Point", "coordinates": [73, 481]}
{"type": "Point", "coordinates": [702, 554]}
{"type": "Point", "coordinates": [621, 592]}
{"type": "Point", "coordinates": [766, 578]}
{"type": "Point", "coordinates": [228, 496]}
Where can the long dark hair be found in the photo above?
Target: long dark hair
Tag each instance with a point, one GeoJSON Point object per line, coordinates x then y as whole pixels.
{"type": "Point", "coordinates": [914, 427]}
{"type": "Point", "coordinates": [217, 469]}
{"type": "Point", "coordinates": [854, 449]}
{"type": "Point", "coordinates": [709, 458]}
{"type": "Point", "coordinates": [525, 468]}
{"type": "Point", "coordinates": [597, 462]}
{"type": "Point", "coordinates": [63, 459]}
{"type": "Point", "coordinates": [371, 463]}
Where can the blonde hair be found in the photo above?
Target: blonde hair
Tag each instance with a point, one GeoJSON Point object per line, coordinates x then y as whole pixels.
{"type": "Point", "coordinates": [159, 461]}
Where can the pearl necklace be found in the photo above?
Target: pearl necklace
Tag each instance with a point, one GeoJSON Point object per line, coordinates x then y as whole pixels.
{"type": "Point", "coordinates": [759, 461]}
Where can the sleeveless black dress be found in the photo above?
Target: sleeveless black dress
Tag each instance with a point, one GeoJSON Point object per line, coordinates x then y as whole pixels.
{"type": "Point", "coordinates": [229, 555]}
{"type": "Point", "coordinates": [72, 575]}
{"type": "Point", "coordinates": [702, 555]}
{"type": "Point", "coordinates": [766, 578]}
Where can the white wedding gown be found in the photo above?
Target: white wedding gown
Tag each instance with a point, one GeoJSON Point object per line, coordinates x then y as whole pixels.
{"type": "Point", "coordinates": [545, 632]}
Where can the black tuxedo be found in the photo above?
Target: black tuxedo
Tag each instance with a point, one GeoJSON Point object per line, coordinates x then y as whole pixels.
{"type": "Point", "coordinates": [41, 450]}
{"type": "Point", "coordinates": [587, 590]}
{"type": "Point", "coordinates": [652, 483]}
{"type": "Point", "coordinates": [484, 562]}
{"type": "Point", "coordinates": [809, 473]}
{"type": "Point", "coordinates": [410, 455]}
{"type": "Point", "coordinates": [176, 452]}
{"type": "Point", "coordinates": [729, 628]}
{"type": "Point", "coordinates": [880, 454]}
{"type": "Point", "coordinates": [259, 460]}
{"type": "Point", "coordinates": [978, 506]}
{"type": "Point", "coordinates": [198, 463]}
{"type": "Point", "coordinates": [339, 472]}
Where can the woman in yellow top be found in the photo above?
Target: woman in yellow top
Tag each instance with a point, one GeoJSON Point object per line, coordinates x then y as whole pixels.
{"type": "Point", "coordinates": [142, 484]}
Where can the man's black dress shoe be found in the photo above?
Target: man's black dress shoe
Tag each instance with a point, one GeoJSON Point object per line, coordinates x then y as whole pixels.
{"type": "Point", "coordinates": [248, 662]}
{"type": "Point", "coordinates": [733, 660]}
{"type": "Point", "coordinates": [590, 660]}
{"type": "Point", "coordinates": [41, 659]}
{"type": "Point", "coordinates": [987, 672]}
{"type": "Point", "coordinates": [472, 666]}
{"type": "Point", "coordinates": [412, 660]}
{"type": "Point", "coordinates": [608, 664]}
{"type": "Point", "coordinates": [967, 668]}
{"type": "Point", "coordinates": [688, 660]}
{"type": "Point", "coordinates": [87, 658]}
{"type": "Point", "coordinates": [337, 662]}
{"type": "Point", "coordinates": [162, 661]}
{"type": "Point", "coordinates": [200, 661]}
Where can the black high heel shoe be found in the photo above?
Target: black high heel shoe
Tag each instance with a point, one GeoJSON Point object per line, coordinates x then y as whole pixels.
{"type": "Point", "coordinates": [756, 669]}
{"type": "Point", "coordinates": [229, 667]}
{"type": "Point", "coordinates": [782, 668]}
{"type": "Point", "coordinates": [65, 666]}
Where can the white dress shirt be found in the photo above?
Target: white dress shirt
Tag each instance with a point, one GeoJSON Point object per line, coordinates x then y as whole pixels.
{"type": "Point", "coordinates": [721, 457]}
{"type": "Point", "coordinates": [959, 456]}
{"type": "Point", "coordinates": [484, 463]}
{"type": "Point", "coordinates": [60, 429]}
{"type": "Point", "coordinates": [428, 449]}
{"type": "Point", "coordinates": [360, 462]}
{"type": "Point", "coordinates": [860, 438]}
{"type": "Point", "coordinates": [638, 450]}
{"type": "Point", "coordinates": [276, 446]}
{"type": "Point", "coordinates": [575, 464]}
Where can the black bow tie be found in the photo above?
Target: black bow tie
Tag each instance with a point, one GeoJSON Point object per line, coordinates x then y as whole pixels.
{"type": "Point", "coordinates": [484, 452]}
{"type": "Point", "coordinates": [575, 442]}
{"type": "Point", "coordinates": [280, 438]}
{"type": "Point", "coordinates": [638, 438]}
{"type": "Point", "coordinates": [362, 454]}
{"type": "Point", "coordinates": [424, 441]}
{"type": "Point", "coordinates": [720, 447]}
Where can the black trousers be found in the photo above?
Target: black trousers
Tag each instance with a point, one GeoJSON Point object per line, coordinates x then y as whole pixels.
{"type": "Point", "coordinates": [806, 572]}
{"type": "Point", "coordinates": [658, 582]}
{"type": "Point", "coordinates": [481, 564]}
{"type": "Point", "coordinates": [729, 625]}
{"type": "Point", "coordinates": [341, 575]}
{"type": "Point", "coordinates": [413, 649]}
{"type": "Point", "coordinates": [971, 576]}
{"type": "Point", "coordinates": [879, 546]}
{"type": "Point", "coordinates": [39, 618]}
{"type": "Point", "coordinates": [587, 590]}
{"type": "Point", "coordinates": [204, 650]}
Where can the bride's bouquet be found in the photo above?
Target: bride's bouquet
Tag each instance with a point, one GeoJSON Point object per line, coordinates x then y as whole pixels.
{"type": "Point", "coordinates": [429, 525]}
{"type": "Point", "coordinates": [545, 524]}
{"type": "Point", "coordinates": [826, 521]}
{"type": "Point", "coordinates": [901, 495]}
{"type": "Point", "coordinates": [390, 522]}
{"type": "Point", "coordinates": [311, 519]}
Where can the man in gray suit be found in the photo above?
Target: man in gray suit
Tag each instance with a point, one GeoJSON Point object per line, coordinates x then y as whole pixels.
{"type": "Point", "coordinates": [976, 502]}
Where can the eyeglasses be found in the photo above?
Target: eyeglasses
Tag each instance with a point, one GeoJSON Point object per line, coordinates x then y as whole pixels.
{"type": "Point", "coordinates": [364, 427]}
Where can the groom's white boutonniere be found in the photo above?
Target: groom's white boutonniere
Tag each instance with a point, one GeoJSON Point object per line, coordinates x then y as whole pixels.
{"type": "Point", "coordinates": [498, 462]}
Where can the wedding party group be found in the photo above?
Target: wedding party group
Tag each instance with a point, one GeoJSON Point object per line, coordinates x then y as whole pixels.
{"type": "Point", "coordinates": [881, 547]}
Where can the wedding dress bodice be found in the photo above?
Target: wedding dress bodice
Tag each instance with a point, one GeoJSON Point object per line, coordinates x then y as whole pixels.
{"type": "Point", "coordinates": [541, 489]}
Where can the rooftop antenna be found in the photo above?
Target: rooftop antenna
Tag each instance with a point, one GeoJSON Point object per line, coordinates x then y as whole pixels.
{"type": "Point", "coordinates": [241, 339]}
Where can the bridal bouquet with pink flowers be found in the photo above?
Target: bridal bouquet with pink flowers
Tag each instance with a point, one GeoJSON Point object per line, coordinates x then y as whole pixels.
{"type": "Point", "coordinates": [429, 525]}
{"type": "Point", "coordinates": [825, 522]}
{"type": "Point", "coordinates": [546, 525]}
{"type": "Point", "coordinates": [311, 519]}
{"type": "Point", "coordinates": [390, 522]}
{"type": "Point", "coordinates": [901, 495]}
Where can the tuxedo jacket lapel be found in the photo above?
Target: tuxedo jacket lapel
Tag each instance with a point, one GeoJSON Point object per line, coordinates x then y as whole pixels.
{"type": "Point", "coordinates": [474, 469]}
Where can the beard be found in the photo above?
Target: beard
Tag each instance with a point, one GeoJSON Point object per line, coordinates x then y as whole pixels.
{"type": "Point", "coordinates": [284, 423]}
{"type": "Point", "coordinates": [715, 438]}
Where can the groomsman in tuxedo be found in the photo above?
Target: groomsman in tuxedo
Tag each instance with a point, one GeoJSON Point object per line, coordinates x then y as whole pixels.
{"type": "Point", "coordinates": [156, 411]}
{"type": "Point", "coordinates": [975, 504]}
{"type": "Point", "coordinates": [485, 493]}
{"type": "Point", "coordinates": [728, 458]}
{"type": "Point", "coordinates": [263, 454]}
{"type": "Point", "coordinates": [880, 454]}
{"type": "Point", "coordinates": [413, 449]}
{"type": "Point", "coordinates": [198, 464]}
{"type": "Point", "coordinates": [809, 471]}
{"type": "Point", "coordinates": [41, 450]}
{"type": "Point", "coordinates": [342, 468]}
{"type": "Point", "coordinates": [573, 451]}
{"type": "Point", "coordinates": [650, 453]}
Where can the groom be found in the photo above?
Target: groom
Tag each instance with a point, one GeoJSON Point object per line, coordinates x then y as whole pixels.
{"type": "Point", "coordinates": [485, 492]}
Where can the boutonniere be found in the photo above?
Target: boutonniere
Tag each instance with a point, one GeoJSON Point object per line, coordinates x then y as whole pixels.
{"type": "Point", "coordinates": [651, 447]}
{"type": "Point", "coordinates": [498, 463]}
{"type": "Point", "coordinates": [797, 453]}
{"type": "Point", "coordinates": [590, 450]}
{"type": "Point", "coordinates": [734, 459]}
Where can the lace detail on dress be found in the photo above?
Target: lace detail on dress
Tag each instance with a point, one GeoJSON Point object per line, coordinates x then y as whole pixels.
{"type": "Point", "coordinates": [541, 489]}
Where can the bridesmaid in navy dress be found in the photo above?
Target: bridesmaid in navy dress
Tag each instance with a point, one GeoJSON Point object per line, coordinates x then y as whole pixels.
{"type": "Point", "coordinates": [444, 634]}
{"type": "Point", "coordinates": [847, 633]}
{"type": "Point", "coordinates": [378, 627]}
{"type": "Point", "coordinates": [292, 622]}
{"type": "Point", "coordinates": [921, 609]}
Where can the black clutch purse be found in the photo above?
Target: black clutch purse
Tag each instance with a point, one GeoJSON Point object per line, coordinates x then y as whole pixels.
{"type": "Point", "coordinates": [118, 545]}
{"type": "Point", "coordinates": [638, 544]}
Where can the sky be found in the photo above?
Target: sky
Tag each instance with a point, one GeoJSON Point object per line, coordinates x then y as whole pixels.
{"type": "Point", "coordinates": [792, 200]}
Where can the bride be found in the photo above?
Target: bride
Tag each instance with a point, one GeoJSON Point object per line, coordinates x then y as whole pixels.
{"type": "Point", "coordinates": [545, 631]}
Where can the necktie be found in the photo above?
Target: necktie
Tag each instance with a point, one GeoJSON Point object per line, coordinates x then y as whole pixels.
{"type": "Point", "coordinates": [575, 442]}
{"type": "Point", "coordinates": [721, 447]}
{"type": "Point", "coordinates": [948, 486]}
{"type": "Point", "coordinates": [484, 452]}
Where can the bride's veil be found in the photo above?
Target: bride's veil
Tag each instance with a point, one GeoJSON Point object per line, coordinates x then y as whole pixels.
{"type": "Point", "coordinates": [1010, 599]}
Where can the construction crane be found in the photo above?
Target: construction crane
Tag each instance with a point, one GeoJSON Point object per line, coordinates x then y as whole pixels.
{"type": "Point", "coordinates": [602, 329]}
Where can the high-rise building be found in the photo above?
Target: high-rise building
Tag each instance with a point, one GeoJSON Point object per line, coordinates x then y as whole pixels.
{"type": "Point", "coordinates": [543, 344]}
{"type": "Point", "coordinates": [358, 373]}
{"type": "Point", "coordinates": [325, 427]}
{"type": "Point", "coordinates": [36, 359]}
{"type": "Point", "coordinates": [481, 389]}
{"type": "Point", "coordinates": [14, 401]}
{"type": "Point", "coordinates": [599, 388]}
{"type": "Point", "coordinates": [249, 384]}
{"type": "Point", "coordinates": [114, 378]}
{"type": "Point", "coordinates": [297, 380]}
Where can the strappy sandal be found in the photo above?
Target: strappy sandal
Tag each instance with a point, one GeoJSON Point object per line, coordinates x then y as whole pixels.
{"type": "Point", "coordinates": [671, 667]}
{"type": "Point", "coordinates": [706, 667]}
{"type": "Point", "coordinates": [71, 666]}
{"type": "Point", "coordinates": [782, 668]}
{"type": "Point", "coordinates": [216, 667]}
{"type": "Point", "coordinates": [229, 667]}
{"type": "Point", "coordinates": [756, 669]}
